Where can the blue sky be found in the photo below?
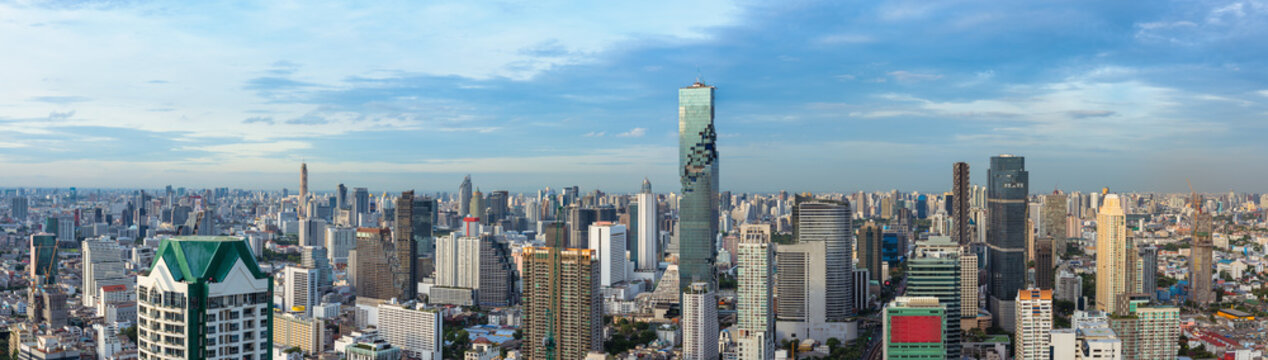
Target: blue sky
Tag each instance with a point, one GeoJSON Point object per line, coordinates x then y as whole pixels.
{"type": "Point", "coordinates": [812, 96]}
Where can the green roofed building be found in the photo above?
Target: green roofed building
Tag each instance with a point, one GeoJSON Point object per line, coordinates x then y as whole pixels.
{"type": "Point", "coordinates": [914, 328]}
{"type": "Point", "coordinates": [204, 298]}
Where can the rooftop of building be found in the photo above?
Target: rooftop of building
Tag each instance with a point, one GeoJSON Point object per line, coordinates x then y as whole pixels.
{"type": "Point", "coordinates": [1034, 294]}
{"type": "Point", "coordinates": [203, 258]}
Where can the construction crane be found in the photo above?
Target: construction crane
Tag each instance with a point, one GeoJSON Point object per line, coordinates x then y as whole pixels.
{"type": "Point", "coordinates": [1197, 202]}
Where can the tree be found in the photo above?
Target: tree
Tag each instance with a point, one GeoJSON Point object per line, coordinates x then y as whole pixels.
{"type": "Point", "coordinates": [130, 332]}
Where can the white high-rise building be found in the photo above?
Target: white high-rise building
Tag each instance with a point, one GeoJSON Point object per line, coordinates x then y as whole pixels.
{"type": "Point", "coordinates": [65, 229]}
{"type": "Point", "coordinates": [302, 286]}
{"type": "Point", "coordinates": [205, 298]}
{"type": "Point", "coordinates": [1034, 324]}
{"type": "Point", "coordinates": [103, 265]}
{"type": "Point", "coordinates": [968, 289]}
{"type": "Point", "coordinates": [458, 261]}
{"type": "Point", "coordinates": [608, 239]}
{"type": "Point", "coordinates": [339, 241]}
{"type": "Point", "coordinates": [648, 230]}
{"type": "Point", "coordinates": [108, 344]}
{"type": "Point", "coordinates": [312, 232]}
{"type": "Point", "coordinates": [414, 328]}
{"type": "Point", "coordinates": [699, 323]}
{"type": "Point", "coordinates": [756, 320]}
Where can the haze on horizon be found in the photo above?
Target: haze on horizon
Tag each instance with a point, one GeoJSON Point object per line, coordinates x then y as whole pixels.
{"type": "Point", "coordinates": [812, 96]}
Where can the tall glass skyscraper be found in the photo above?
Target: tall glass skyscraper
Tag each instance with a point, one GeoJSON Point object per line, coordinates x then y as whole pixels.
{"type": "Point", "coordinates": [1009, 184]}
{"type": "Point", "coordinates": [698, 168]}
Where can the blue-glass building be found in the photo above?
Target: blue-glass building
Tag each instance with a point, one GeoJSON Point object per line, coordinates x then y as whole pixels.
{"type": "Point", "coordinates": [698, 170]}
{"type": "Point", "coordinates": [1007, 189]}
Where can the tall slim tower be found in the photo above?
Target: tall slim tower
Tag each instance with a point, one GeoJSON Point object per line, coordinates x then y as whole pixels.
{"type": "Point", "coordinates": [935, 271]}
{"type": "Point", "coordinates": [1201, 259]}
{"type": "Point", "coordinates": [869, 237]}
{"type": "Point", "coordinates": [698, 169]}
{"type": "Point", "coordinates": [960, 203]}
{"type": "Point", "coordinates": [699, 322]}
{"type": "Point", "coordinates": [341, 197]}
{"type": "Point", "coordinates": [829, 221]}
{"type": "Point", "coordinates": [407, 242]}
{"type": "Point", "coordinates": [1009, 185]}
{"type": "Point", "coordinates": [303, 189]}
{"type": "Point", "coordinates": [648, 230]}
{"type": "Point", "coordinates": [464, 196]}
{"type": "Point", "coordinates": [1112, 248]}
{"type": "Point", "coordinates": [756, 319]}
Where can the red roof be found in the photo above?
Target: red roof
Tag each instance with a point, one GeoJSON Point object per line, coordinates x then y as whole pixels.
{"type": "Point", "coordinates": [481, 340]}
{"type": "Point", "coordinates": [113, 288]}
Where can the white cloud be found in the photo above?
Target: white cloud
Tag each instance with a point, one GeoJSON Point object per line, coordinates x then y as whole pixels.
{"type": "Point", "coordinates": [846, 39]}
{"type": "Point", "coordinates": [253, 149]}
{"type": "Point", "coordinates": [908, 76]}
{"type": "Point", "coordinates": [1263, 93]}
{"type": "Point", "coordinates": [635, 132]}
{"type": "Point", "coordinates": [594, 134]}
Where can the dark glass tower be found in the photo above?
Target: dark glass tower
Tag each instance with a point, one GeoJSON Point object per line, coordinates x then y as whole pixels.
{"type": "Point", "coordinates": [960, 203]}
{"type": "Point", "coordinates": [1009, 183]}
{"type": "Point", "coordinates": [698, 169]}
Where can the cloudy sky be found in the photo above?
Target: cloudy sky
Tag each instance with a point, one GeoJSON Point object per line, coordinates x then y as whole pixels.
{"type": "Point", "coordinates": [812, 96]}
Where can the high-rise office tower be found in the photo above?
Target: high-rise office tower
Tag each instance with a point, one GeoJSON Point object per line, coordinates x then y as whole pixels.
{"type": "Point", "coordinates": [341, 197]}
{"type": "Point", "coordinates": [416, 329]}
{"type": "Point", "coordinates": [648, 230]}
{"type": "Point", "coordinates": [1201, 258]}
{"type": "Point", "coordinates": [339, 241]}
{"type": "Point", "coordinates": [1009, 184]}
{"type": "Point", "coordinates": [478, 205]}
{"type": "Point", "coordinates": [499, 206]}
{"type": "Point", "coordinates": [464, 196]}
{"type": "Point", "coordinates": [755, 323]}
{"type": "Point", "coordinates": [103, 265]}
{"type": "Point", "coordinates": [381, 272]}
{"type": "Point", "coordinates": [419, 213]}
{"type": "Point", "coordinates": [579, 220]}
{"type": "Point", "coordinates": [303, 190]}
{"type": "Point", "coordinates": [43, 263]}
{"type": "Point", "coordinates": [698, 170]}
{"type": "Point", "coordinates": [562, 304]}
{"type": "Point", "coordinates": [1034, 324]}
{"type": "Point", "coordinates": [360, 202]}
{"type": "Point", "coordinates": [829, 222]}
{"type": "Point", "coordinates": [699, 322]}
{"type": "Point", "coordinates": [968, 288]}
{"type": "Point", "coordinates": [1052, 224]}
{"type": "Point", "coordinates": [209, 287]}
{"type": "Point", "coordinates": [302, 284]}
{"type": "Point", "coordinates": [1044, 263]}
{"type": "Point", "coordinates": [1149, 270]}
{"type": "Point", "coordinates": [608, 240]}
{"type": "Point", "coordinates": [869, 237]}
{"type": "Point", "coordinates": [497, 274]}
{"type": "Point", "coordinates": [934, 271]}
{"type": "Point", "coordinates": [913, 329]}
{"type": "Point", "coordinates": [312, 232]}
{"type": "Point", "coordinates": [1112, 246]}
{"type": "Point", "coordinates": [18, 208]}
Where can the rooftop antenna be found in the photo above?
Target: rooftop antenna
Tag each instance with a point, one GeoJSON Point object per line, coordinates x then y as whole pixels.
{"type": "Point", "coordinates": [698, 80]}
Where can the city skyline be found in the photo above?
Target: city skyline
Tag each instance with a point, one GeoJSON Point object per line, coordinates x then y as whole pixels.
{"type": "Point", "coordinates": [900, 89]}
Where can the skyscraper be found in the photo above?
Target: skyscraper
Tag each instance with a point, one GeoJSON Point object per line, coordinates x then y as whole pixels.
{"type": "Point", "coordinates": [698, 170]}
{"type": "Point", "coordinates": [303, 190]}
{"type": "Point", "coordinates": [1034, 324]}
{"type": "Point", "coordinates": [608, 240]}
{"type": "Point", "coordinates": [103, 266]}
{"type": "Point", "coordinates": [341, 197]}
{"type": "Point", "coordinates": [360, 203]}
{"type": "Point", "coordinates": [302, 294]}
{"type": "Point", "coordinates": [464, 196]}
{"type": "Point", "coordinates": [312, 232]}
{"type": "Point", "coordinates": [934, 271]}
{"type": "Point", "coordinates": [1112, 245]}
{"type": "Point", "coordinates": [1053, 223]}
{"type": "Point", "coordinates": [196, 282]}
{"type": "Point", "coordinates": [699, 322]}
{"type": "Point", "coordinates": [969, 294]}
{"type": "Point", "coordinates": [414, 218]}
{"type": "Point", "coordinates": [648, 230]}
{"type": "Point", "coordinates": [1149, 270]}
{"type": "Point", "coordinates": [869, 237]}
{"type": "Point", "coordinates": [1200, 262]}
{"type": "Point", "coordinates": [381, 272]}
{"type": "Point", "coordinates": [497, 274]}
{"type": "Point", "coordinates": [43, 263]}
{"type": "Point", "coordinates": [756, 321]}
{"type": "Point", "coordinates": [827, 221]}
{"type": "Point", "coordinates": [18, 208]}
{"type": "Point", "coordinates": [913, 329]}
{"type": "Point", "coordinates": [1008, 187]}
{"type": "Point", "coordinates": [1044, 263]}
{"type": "Point", "coordinates": [562, 304]}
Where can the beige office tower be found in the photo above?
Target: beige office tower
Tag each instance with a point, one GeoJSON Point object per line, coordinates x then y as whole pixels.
{"type": "Point", "coordinates": [1112, 254]}
{"type": "Point", "coordinates": [968, 289]}
{"type": "Point", "coordinates": [303, 190]}
{"type": "Point", "coordinates": [562, 304]}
